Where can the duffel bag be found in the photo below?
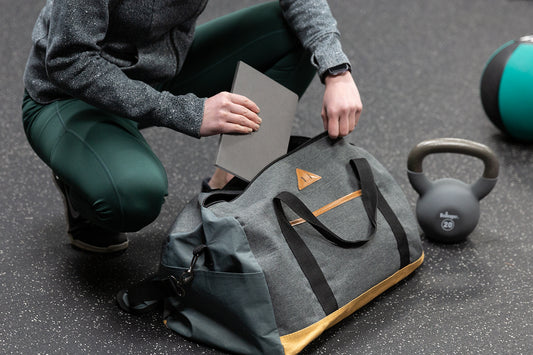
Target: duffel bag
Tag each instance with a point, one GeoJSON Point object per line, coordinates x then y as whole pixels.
{"type": "Point", "coordinates": [316, 235]}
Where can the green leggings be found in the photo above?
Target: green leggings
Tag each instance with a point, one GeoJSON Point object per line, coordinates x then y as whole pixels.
{"type": "Point", "coordinates": [114, 178]}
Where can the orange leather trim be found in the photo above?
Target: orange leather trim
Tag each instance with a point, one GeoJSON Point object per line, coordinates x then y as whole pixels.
{"type": "Point", "coordinates": [293, 343]}
{"type": "Point", "coordinates": [329, 206]}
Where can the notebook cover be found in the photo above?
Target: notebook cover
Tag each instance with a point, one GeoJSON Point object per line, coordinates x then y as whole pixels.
{"type": "Point", "coordinates": [246, 155]}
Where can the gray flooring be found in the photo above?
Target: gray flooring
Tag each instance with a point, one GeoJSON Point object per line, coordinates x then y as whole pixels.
{"type": "Point", "coordinates": [418, 65]}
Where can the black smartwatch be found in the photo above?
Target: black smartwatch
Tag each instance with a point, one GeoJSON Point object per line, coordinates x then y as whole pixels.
{"type": "Point", "coordinates": [336, 70]}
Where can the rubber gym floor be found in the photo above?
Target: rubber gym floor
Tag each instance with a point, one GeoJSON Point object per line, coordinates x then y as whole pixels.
{"type": "Point", "coordinates": [418, 66]}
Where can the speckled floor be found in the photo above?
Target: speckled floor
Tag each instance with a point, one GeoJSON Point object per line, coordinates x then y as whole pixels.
{"type": "Point", "coordinates": [418, 64]}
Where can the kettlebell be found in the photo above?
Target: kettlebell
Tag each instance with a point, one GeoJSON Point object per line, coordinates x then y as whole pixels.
{"type": "Point", "coordinates": [448, 209]}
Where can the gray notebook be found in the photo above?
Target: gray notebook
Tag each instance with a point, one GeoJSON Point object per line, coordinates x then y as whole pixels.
{"type": "Point", "coordinates": [246, 155]}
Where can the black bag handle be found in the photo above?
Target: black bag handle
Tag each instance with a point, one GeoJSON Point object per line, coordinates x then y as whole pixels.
{"type": "Point", "coordinates": [369, 197]}
{"type": "Point", "coordinates": [301, 252]}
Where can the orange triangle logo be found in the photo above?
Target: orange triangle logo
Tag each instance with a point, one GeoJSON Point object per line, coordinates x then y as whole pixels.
{"type": "Point", "coordinates": [305, 178]}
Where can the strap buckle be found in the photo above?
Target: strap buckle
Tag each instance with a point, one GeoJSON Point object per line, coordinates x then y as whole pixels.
{"type": "Point", "coordinates": [187, 276]}
{"type": "Point", "coordinates": [177, 288]}
{"type": "Point", "coordinates": [144, 296]}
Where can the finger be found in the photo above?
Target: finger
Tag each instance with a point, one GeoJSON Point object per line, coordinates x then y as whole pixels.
{"type": "Point", "coordinates": [358, 114]}
{"type": "Point", "coordinates": [353, 120]}
{"type": "Point", "coordinates": [344, 125]}
{"type": "Point", "coordinates": [324, 116]}
{"type": "Point", "coordinates": [246, 112]}
{"type": "Point", "coordinates": [236, 128]}
{"type": "Point", "coordinates": [333, 127]}
{"type": "Point", "coordinates": [244, 101]}
{"type": "Point", "coordinates": [241, 120]}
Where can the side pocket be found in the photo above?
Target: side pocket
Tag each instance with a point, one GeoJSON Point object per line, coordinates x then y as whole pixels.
{"type": "Point", "coordinates": [227, 304]}
{"type": "Point", "coordinates": [232, 311]}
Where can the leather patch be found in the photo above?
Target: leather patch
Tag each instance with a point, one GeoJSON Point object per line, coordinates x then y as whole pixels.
{"type": "Point", "coordinates": [305, 178]}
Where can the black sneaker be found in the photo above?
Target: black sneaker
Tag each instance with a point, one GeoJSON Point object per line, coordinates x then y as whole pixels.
{"type": "Point", "coordinates": [85, 234]}
{"type": "Point", "coordinates": [205, 185]}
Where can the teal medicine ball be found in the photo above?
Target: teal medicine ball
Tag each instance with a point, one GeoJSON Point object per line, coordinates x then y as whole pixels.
{"type": "Point", "coordinates": [507, 88]}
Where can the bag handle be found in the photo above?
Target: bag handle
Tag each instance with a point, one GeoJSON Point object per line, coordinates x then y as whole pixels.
{"type": "Point", "coordinates": [369, 197]}
{"type": "Point", "coordinates": [301, 252]}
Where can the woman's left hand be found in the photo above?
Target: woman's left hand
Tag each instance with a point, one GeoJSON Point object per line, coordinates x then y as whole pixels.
{"type": "Point", "coordinates": [342, 105]}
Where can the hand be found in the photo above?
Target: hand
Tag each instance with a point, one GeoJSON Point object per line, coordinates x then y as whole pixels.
{"type": "Point", "coordinates": [229, 113]}
{"type": "Point", "coordinates": [342, 105]}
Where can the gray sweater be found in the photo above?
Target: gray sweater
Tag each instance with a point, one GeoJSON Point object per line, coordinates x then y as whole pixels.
{"type": "Point", "coordinates": [112, 53]}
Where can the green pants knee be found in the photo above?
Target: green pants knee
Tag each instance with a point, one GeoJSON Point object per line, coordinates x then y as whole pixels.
{"type": "Point", "coordinates": [114, 178]}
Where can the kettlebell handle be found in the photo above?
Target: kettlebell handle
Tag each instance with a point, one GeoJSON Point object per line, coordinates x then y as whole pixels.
{"type": "Point", "coordinates": [454, 145]}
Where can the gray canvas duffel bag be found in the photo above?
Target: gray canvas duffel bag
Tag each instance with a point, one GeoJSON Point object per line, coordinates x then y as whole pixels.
{"type": "Point", "coordinates": [266, 269]}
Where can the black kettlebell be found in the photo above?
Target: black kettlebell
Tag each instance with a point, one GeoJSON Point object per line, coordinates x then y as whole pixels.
{"type": "Point", "coordinates": [448, 209]}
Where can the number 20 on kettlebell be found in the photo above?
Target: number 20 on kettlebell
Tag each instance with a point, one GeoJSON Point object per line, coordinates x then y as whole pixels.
{"type": "Point", "coordinates": [448, 209]}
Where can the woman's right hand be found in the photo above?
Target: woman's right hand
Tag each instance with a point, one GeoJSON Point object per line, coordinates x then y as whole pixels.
{"type": "Point", "coordinates": [229, 113]}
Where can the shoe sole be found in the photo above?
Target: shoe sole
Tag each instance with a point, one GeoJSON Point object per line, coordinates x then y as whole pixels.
{"type": "Point", "coordinates": [103, 250]}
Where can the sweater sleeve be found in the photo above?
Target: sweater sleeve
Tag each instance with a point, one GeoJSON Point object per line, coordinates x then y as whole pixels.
{"type": "Point", "coordinates": [74, 64]}
{"type": "Point", "coordinates": [316, 28]}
